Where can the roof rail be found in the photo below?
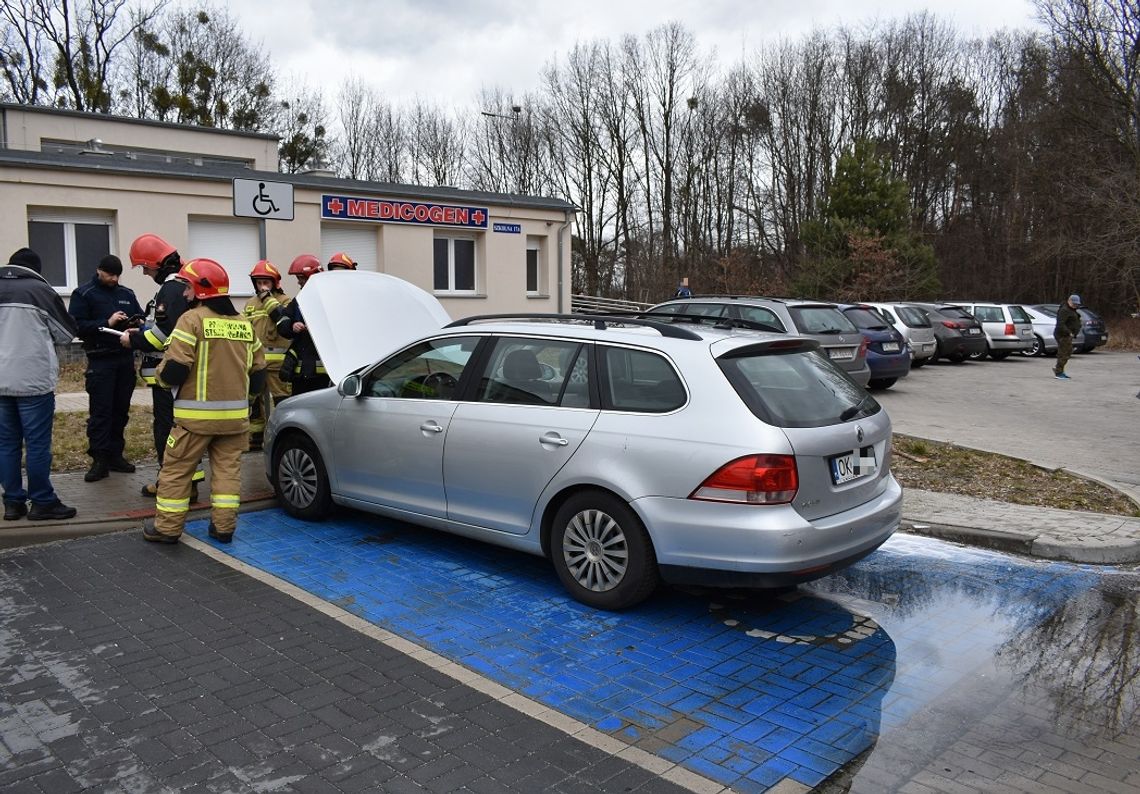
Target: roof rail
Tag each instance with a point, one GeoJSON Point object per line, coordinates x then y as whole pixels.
{"type": "Point", "coordinates": [715, 322]}
{"type": "Point", "coordinates": [600, 321]}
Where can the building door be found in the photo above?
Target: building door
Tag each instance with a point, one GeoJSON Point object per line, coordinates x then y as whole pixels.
{"type": "Point", "coordinates": [358, 241]}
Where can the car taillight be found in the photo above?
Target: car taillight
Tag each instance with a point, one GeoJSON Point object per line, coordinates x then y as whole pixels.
{"type": "Point", "coordinates": [753, 479]}
{"type": "Point", "coordinates": [862, 348]}
{"type": "Point", "coordinates": [1009, 329]}
{"type": "Point", "coordinates": [951, 324]}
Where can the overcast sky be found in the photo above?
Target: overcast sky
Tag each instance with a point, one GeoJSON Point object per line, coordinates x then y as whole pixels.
{"type": "Point", "coordinates": [444, 51]}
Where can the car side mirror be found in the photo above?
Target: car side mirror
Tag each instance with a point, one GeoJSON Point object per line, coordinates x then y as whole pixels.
{"type": "Point", "coordinates": [350, 386]}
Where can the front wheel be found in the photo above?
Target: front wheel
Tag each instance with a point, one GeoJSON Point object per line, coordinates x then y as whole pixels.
{"type": "Point", "coordinates": [601, 551]}
{"type": "Point", "coordinates": [300, 480]}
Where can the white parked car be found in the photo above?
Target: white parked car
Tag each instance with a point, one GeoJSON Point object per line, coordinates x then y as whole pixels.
{"type": "Point", "coordinates": [1007, 326]}
{"type": "Point", "coordinates": [627, 451]}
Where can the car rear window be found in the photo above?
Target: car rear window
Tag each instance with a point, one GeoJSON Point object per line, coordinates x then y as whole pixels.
{"type": "Point", "coordinates": [866, 318]}
{"type": "Point", "coordinates": [1019, 315]}
{"type": "Point", "coordinates": [989, 314]}
{"type": "Point", "coordinates": [912, 318]}
{"type": "Point", "coordinates": [955, 311]}
{"type": "Point", "coordinates": [820, 320]}
{"type": "Point", "coordinates": [798, 388]}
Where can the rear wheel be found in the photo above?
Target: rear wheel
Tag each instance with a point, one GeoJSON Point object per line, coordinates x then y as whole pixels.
{"type": "Point", "coordinates": [998, 355]}
{"type": "Point", "coordinates": [601, 551]}
{"type": "Point", "coordinates": [957, 358]}
{"type": "Point", "coordinates": [979, 356]}
{"type": "Point", "coordinates": [920, 362]}
{"type": "Point", "coordinates": [1038, 348]}
{"type": "Point", "coordinates": [300, 480]}
{"type": "Point", "coordinates": [882, 383]}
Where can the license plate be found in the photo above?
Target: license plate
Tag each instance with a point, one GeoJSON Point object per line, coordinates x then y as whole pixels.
{"type": "Point", "coordinates": [973, 331]}
{"type": "Point", "coordinates": [841, 353]}
{"type": "Point", "coordinates": [890, 347]}
{"type": "Point", "coordinates": [853, 465]}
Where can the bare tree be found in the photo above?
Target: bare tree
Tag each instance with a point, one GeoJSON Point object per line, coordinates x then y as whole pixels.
{"type": "Point", "coordinates": [435, 141]}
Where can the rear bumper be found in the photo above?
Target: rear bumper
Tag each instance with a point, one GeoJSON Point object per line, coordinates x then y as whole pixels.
{"type": "Point", "coordinates": [763, 546]}
{"type": "Point", "coordinates": [961, 345]}
{"type": "Point", "coordinates": [894, 365]}
{"type": "Point", "coordinates": [1011, 344]}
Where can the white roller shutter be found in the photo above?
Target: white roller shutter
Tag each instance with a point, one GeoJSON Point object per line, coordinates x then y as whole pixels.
{"type": "Point", "coordinates": [232, 243]}
{"type": "Point", "coordinates": [357, 240]}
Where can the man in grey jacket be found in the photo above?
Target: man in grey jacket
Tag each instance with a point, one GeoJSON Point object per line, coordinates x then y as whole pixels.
{"type": "Point", "coordinates": [32, 319]}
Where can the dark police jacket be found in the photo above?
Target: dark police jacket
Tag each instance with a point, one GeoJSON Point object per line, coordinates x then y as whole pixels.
{"type": "Point", "coordinates": [303, 350]}
{"type": "Point", "coordinates": [92, 306]}
{"type": "Point", "coordinates": [168, 305]}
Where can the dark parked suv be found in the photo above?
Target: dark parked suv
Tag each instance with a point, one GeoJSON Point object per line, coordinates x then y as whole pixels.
{"type": "Point", "coordinates": [958, 333]}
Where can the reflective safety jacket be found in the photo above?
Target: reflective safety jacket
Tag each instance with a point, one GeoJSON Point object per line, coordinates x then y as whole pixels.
{"type": "Point", "coordinates": [257, 311]}
{"type": "Point", "coordinates": [219, 352]}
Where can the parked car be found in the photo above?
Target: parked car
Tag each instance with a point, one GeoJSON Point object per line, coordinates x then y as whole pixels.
{"type": "Point", "coordinates": [958, 334]}
{"type": "Point", "coordinates": [627, 451]}
{"type": "Point", "coordinates": [1007, 327]}
{"type": "Point", "coordinates": [887, 353]}
{"type": "Point", "coordinates": [1094, 332]}
{"type": "Point", "coordinates": [1044, 343]}
{"type": "Point", "coordinates": [915, 328]}
{"type": "Point", "coordinates": [837, 336]}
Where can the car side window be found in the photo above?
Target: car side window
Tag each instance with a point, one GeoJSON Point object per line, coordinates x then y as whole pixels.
{"type": "Point", "coordinates": [638, 380]}
{"type": "Point", "coordinates": [523, 371]}
{"type": "Point", "coordinates": [428, 371]}
{"type": "Point", "coordinates": [989, 314]}
{"type": "Point", "coordinates": [758, 314]}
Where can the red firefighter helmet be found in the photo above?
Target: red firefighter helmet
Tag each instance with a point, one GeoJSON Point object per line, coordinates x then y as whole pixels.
{"type": "Point", "coordinates": [305, 265]}
{"type": "Point", "coordinates": [149, 251]}
{"type": "Point", "coordinates": [266, 269]}
{"type": "Point", "coordinates": [341, 261]}
{"type": "Point", "coordinates": [207, 277]}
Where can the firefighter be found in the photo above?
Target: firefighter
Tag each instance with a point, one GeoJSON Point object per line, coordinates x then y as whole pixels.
{"type": "Point", "coordinates": [159, 260]}
{"type": "Point", "coordinates": [340, 261]}
{"type": "Point", "coordinates": [302, 367]}
{"type": "Point", "coordinates": [214, 362]}
{"type": "Point", "coordinates": [269, 296]}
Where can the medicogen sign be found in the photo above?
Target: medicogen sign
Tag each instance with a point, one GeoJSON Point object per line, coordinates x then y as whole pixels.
{"type": "Point", "coordinates": [347, 208]}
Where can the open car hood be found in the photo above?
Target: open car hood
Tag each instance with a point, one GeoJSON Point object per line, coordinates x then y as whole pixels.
{"type": "Point", "coordinates": [358, 317]}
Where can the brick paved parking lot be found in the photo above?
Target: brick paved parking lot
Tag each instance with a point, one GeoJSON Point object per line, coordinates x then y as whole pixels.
{"type": "Point", "coordinates": [927, 667]}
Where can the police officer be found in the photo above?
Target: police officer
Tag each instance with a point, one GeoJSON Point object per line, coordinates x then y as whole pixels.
{"type": "Point", "coordinates": [214, 362]}
{"type": "Point", "coordinates": [302, 367]}
{"type": "Point", "coordinates": [159, 260]}
{"type": "Point", "coordinates": [269, 296]}
{"type": "Point", "coordinates": [110, 378]}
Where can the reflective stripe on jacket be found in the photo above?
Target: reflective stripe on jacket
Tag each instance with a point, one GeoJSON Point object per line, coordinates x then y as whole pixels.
{"type": "Point", "coordinates": [220, 352]}
{"type": "Point", "coordinates": [258, 312]}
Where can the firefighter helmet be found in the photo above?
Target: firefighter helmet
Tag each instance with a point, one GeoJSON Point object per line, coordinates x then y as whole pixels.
{"type": "Point", "coordinates": [266, 269]}
{"type": "Point", "coordinates": [150, 251]}
{"type": "Point", "coordinates": [305, 265]}
{"type": "Point", "coordinates": [341, 261]}
{"type": "Point", "coordinates": [207, 277]}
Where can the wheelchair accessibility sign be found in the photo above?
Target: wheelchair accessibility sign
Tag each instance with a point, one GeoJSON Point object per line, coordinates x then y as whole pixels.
{"type": "Point", "coordinates": [257, 198]}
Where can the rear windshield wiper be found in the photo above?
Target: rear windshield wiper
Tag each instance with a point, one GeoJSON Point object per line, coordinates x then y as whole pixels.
{"type": "Point", "coordinates": [851, 412]}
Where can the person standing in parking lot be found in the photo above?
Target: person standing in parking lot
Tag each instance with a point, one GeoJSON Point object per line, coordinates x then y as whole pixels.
{"type": "Point", "coordinates": [1068, 326]}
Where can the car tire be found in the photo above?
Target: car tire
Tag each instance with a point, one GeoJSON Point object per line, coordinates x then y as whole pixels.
{"type": "Point", "coordinates": [300, 480]}
{"type": "Point", "coordinates": [601, 551]}
{"type": "Point", "coordinates": [1038, 348]}
{"type": "Point", "coordinates": [957, 358]}
{"type": "Point", "coordinates": [881, 383]}
{"type": "Point", "coordinates": [999, 355]}
{"type": "Point", "coordinates": [1087, 349]}
{"type": "Point", "coordinates": [979, 356]}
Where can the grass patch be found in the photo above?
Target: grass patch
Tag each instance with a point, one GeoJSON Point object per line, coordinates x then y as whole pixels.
{"type": "Point", "coordinates": [71, 378]}
{"type": "Point", "coordinates": [1124, 334]}
{"type": "Point", "coordinates": [946, 468]}
{"type": "Point", "coordinates": [69, 440]}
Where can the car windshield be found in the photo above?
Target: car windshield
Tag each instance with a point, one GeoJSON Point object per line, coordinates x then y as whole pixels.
{"type": "Point", "coordinates": [820, 320]}
{"type": "Point", "coordinates": [866, 319]}
{"type": "Point", "coordinates": [1049, 310]}
{"type": "Point", "coordinates": [796, 388]}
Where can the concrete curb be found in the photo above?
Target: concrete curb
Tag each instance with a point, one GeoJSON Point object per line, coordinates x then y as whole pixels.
{"type": "Point", "coordinates": [27, 533]}
{"type": "Point", "coordinates": [1090, 551]}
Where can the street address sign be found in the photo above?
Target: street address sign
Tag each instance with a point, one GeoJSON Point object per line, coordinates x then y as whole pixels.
{"type": "Point", "coordinates": [257, 198]}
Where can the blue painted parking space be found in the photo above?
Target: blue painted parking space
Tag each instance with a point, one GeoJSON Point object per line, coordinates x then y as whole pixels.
{"type": "Point", "coordinates": [744, 689]}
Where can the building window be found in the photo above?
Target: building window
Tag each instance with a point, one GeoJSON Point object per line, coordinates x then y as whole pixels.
{"type": "Point", "coordinates": [70, 245]}
{"type": "Point", "coordinates": [534, 284]}
{"type": "Point", "coordinates": [454, 264]}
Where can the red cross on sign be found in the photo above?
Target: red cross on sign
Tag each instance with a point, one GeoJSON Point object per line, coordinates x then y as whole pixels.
{"type": "Point", "coordinates": [335, 206]}
{"type": "Point", "coordinates": [478, 217]}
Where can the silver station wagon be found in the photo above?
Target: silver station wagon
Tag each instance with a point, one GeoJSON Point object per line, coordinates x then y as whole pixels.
{"type": "Point", "coordinates": [626, 451]}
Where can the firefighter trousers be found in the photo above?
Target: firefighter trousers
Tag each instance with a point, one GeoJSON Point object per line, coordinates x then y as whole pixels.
{"type": "Point", "coordinates": [162, 404]}
{"type": "Point", "coordinates": [183, 451]}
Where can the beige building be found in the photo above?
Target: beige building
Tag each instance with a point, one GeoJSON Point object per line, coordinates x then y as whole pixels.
{"type": "Point", "coordinates": [76, 186]}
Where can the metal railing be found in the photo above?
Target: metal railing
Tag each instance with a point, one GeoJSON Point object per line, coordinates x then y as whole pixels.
{"type": "Point", "coordinates": [591, 304]}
